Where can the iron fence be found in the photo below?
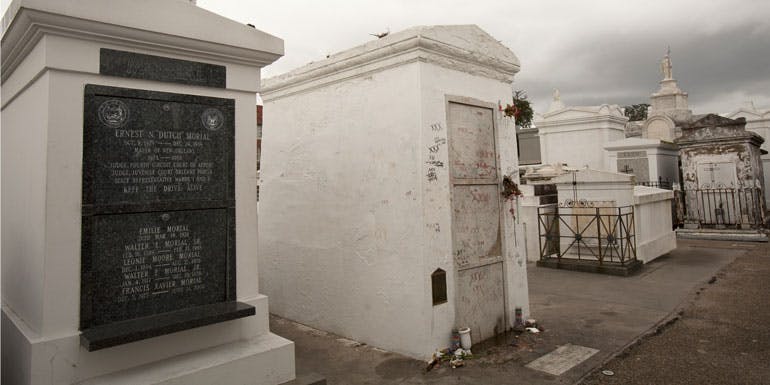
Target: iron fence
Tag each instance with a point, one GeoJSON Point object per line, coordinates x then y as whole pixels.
{"type": "Point", "coordinates": [605, 235]}
{"type": "Point", "coordinates": [724, 208]}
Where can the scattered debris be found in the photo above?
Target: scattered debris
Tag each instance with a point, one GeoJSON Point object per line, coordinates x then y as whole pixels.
{"type": "Point", "coordinates": [608, 372]}
{"type": "Point", "coordinates": [456, 362]}
{"type": "Point", "coordinates": [532, 323]}
{"type": "Point", "coordinates": [435, 359]}
{"type": "Point", "coordinates": [533, 330]}
{"type": "Point", "coordinates": [455, 358]}
{"type": "Point", "coordinates": [463, 353]}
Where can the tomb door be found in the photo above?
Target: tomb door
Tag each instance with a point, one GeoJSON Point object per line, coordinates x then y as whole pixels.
{"type": "Point", "coordinates": [476, 233]}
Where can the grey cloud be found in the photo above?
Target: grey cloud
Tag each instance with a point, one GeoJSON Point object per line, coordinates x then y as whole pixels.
{"type": "Point", "coordinates": [623, 69]}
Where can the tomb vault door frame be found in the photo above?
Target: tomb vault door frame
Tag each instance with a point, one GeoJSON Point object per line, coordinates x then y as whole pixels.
{"type": "Point", "coordinates": [493, 183]}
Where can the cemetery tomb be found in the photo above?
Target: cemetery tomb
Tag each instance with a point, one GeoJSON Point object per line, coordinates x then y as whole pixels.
{"type": "Point", "coordinates": [653, 162]}
{"type": "Point", "coordinates": [603, 223]}
{"type": "Point", "coordinates": [723, 175]}
{"type": "Point", "coordinates": [576, 135]}
{"type": "Point", "coordinates": [381, 215]}
{"type": "Point", "coordinates": [668, 106]}
{"type": "Point", "coordinates": [129, 255]}
{"type": "Point", "coordinates": [158, 213]}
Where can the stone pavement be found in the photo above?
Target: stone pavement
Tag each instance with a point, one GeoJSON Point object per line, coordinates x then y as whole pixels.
{"type": "Point", "coordinates": [601, 312]}
{"type": "Point", "coordinates": [722, 337]}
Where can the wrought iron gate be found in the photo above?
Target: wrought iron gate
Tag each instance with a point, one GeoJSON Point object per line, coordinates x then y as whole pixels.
{"type": "Point", "coordinates": [725, 207]}
{"type": "Point", "coordinates": [605, 235]}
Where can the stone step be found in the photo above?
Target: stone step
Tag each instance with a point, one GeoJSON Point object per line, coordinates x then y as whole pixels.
{"type": "Point", "coordinates": [723, 235]}
{"type": "Point", "coordinates": [307, 379]}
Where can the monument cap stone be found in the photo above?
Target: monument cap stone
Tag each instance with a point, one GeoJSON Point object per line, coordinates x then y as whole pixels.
{"type": "Point", "coordinates": [466, 48]}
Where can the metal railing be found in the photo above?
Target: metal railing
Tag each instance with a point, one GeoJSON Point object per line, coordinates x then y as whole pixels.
{"type": "Point", "coordinates": [725, 207]}
{"type": "Point", "coordinates": [605, 235]}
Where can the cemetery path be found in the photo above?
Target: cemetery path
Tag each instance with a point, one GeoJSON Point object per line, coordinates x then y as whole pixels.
{"type": "Point", "coordinates": [722, 337]}
{"type": "Point", "coordinates": [605, 313]}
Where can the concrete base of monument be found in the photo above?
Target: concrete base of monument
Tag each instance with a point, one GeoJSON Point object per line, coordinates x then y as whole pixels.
{"type": "Point", "coordinates": [233, 352]}
{"type": "Point", "coordinates": [269, 358]}
{"type": "Point", "coordinates": [723, 235]}
{"type": "Point", "coordinates": [592, 266]}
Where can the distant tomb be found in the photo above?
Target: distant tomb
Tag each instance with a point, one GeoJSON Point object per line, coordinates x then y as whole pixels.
{"type": "Point", "coordinates": [653, 162]}
{"type": "Point", "coordinates": [606, 217]}
{"type": "Point", "coordinates": [668, 106]}
{"type": "Point", "coordinates": [723, 176]}
{"type": "Point", "coordinates": [648, 151]}
{"type": "Point", "coordinates": [576, 135]}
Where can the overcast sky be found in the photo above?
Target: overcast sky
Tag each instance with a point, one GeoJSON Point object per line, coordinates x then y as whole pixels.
{"type": "Point", "coordinates": [593, 51]}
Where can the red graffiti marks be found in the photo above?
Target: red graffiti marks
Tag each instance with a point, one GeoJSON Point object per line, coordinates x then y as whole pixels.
{"type": "Point", "coordinates": [472, 145]}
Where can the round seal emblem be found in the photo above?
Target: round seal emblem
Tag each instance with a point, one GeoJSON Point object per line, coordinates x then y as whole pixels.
{"type": "Point", "coordinates": [212, 119]}
{"type": "Point", "coordinates": [113, 113]}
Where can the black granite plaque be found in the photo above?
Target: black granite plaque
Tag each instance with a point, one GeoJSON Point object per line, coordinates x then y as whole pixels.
{"type": "Point", "coordinates": [159, 68]}
{"type": "Point", "coordinates": [158, 231]}
{"type": "Point", "coordinates": [148, 148]}
{"type": "Point", "coordinates": [149, 263]}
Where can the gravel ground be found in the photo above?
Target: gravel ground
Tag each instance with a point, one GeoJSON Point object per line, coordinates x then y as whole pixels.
{"type": "Point", "coordinates": [721, 337]}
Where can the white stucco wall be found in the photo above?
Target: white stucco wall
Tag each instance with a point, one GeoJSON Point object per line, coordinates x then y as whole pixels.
{"type": "Point", "coordinates": [655, 236]}
{"type": "Point", "coordinates": [24, 138]}
{"type": "Point", "coordinates": [596, 186]}
{"type": "Point", "coordinates": [578, 148]}
{"type": "Point", "coordinates": [339, 197]}
{"type": "Point", "coordinates": [577, 135]}
{"type": "Point", "coordinates": [662, 157]}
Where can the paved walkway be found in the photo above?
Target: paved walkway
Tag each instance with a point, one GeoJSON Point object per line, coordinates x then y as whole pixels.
{"type": "Point", "coordinates": [723, 336]}
{"type": "Point", "coordinates": [590, 310]}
